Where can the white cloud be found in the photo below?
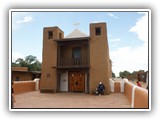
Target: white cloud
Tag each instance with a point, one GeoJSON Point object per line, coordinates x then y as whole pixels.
{"type": "Point", "coordinates": [130, 59]}
{"type": "Point", "coordinates": [25, 19]}
{"type": "Point", "coordinates": [141, 27]}
{"type": "Point", "coordinates": [115, 40]}
{"type": "Point", "coordinates": [133, 58]}
{"type": "Point", "coordinates": [20, 17]}
{"type": "Point", "coordinates": [112, 15]}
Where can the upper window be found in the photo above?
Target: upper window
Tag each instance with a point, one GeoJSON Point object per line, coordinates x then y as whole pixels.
{"type": "Point", "coordinates": [98, 31]}
{"type": "Point", "coordinates": [60, 36]}
{"type": "Point", "coordinates": [50, 34]}
{"type": "Point", "coordinates": [76, 52]}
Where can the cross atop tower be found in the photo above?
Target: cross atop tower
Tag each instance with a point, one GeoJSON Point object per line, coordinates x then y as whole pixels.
{"type": "Point", "coordinates": [76, 24]}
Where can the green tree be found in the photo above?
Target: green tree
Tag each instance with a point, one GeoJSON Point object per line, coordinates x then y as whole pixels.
{"type": "Point", "coordinates": [36, 66]}
{"type": "Point", "coordinates": [113, 75]}
{"type": "Point", "coordinates": [30, 61]}
{"type": "Point", "coordinates": [124, 74]}
{"type": "Point", "coordinates": [21, 63]}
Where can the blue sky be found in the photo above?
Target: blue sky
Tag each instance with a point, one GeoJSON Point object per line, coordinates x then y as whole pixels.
{"type": "Point", "coordinates": [127, 34]}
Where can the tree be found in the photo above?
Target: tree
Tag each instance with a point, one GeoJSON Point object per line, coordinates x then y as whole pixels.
{"type": "Point", "coordinates": [113, 75]}
{"type": "Point", "coordinates": [21, 63]}
{"type": "Point", "coordinates": [30, 61]}
{"type": "Point", "coordinates": [36, 66]}
{"type": "Point", "coordinates": [124, 73]}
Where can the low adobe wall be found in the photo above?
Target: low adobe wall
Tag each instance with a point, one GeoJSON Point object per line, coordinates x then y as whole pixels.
{"type": "Point", "coordinates": [117, 87]}
{"type": "Point", "coordinates": [141, 98]}
{"type": "Point", "coordinates": [128, 91]}
{"type": "Point", "coordinates": [137, 96]}
{"type": "Point", "coordinates": [25, 86]}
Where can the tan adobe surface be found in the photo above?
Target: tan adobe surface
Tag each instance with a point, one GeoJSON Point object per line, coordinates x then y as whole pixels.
{"type": "Point", "coordinates": [20, 69]}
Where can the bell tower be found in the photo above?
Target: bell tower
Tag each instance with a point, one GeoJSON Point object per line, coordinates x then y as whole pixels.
{"type": "Point", "coordinates": [49, 76]}
{"type": "Point", "coordinates": [99, 56]}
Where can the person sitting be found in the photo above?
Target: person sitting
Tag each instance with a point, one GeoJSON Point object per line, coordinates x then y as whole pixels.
{"type": "Point", "coordinates": [101, 88]}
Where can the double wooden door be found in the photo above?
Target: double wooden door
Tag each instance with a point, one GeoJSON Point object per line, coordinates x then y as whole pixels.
{"type": "Point", "coordinates": [77, 81]}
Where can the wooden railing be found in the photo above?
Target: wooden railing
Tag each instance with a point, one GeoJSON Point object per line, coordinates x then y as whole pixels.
{"type": "Point", "coordinates": [73, 62]}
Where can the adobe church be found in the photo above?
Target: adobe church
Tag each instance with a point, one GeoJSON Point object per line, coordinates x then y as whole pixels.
{"type": "Point", "coordinates": [77, 62]}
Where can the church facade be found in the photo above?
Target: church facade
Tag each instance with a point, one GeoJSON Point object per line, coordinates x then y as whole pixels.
{"type": "Point", "coordinates": [77, 62]}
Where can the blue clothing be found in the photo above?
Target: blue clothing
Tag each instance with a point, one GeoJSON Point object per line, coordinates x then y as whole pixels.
{"type": "Point", "coordinates": [101, 88]}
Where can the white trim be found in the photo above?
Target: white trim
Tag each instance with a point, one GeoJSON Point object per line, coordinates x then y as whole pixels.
{"type": "Point", "coordinates": [122, 85]}
{"type": "Point", "coordinates": [112, 87]}
{"type": "Point", "coordinates": [133, 94]}
{"type": "Point", "coordinates": [36, 80]}
{"type": "Point", "coordinates": [111, 84]}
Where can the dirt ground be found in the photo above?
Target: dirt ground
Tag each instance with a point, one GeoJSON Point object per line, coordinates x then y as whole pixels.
{"type": "Point", "coordinates": [36, 99]}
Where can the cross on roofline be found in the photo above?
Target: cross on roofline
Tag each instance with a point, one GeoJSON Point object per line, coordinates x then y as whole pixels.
{"type": "Point", "coordinates": [76, 24]}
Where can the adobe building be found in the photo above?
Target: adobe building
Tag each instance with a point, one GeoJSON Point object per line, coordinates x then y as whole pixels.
{"type": "Point", "coordinates": [77, 62]}
{"type": "Point", "coordinates": [22, 74]}
{"type": "Point", "coordinates": [139, 75]}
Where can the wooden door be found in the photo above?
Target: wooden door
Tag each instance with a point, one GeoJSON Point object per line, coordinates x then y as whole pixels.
{"type": "Point", "coordinates": [76, 81]}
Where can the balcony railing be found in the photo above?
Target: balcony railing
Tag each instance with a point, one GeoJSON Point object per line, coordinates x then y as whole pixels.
{"type": "Point", "coordinates": [73, 62]}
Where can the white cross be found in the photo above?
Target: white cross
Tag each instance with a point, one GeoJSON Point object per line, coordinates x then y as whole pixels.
{"type": "Point", "coordinates": [76, 24]}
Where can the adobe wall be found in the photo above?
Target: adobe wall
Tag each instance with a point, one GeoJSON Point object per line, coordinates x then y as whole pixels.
{"type": "Point", "coordinates": [49, 75]}
{"type": "Point", "coordinates": [99, 58]}
{"type": "Point", "coordinates": [23, 76]}
{"type": "Point", "coordinates": [23, 86]}
{"type": "Point", "coordinates": [20, 69]}
{"type": "Point", "coordinates": [117, 87]}
{"type": "Point", "coordinates": [141, 98]}
{"type": "Point", "coordinates": [128, 91]}
{"type": "Point", "coordinates": [137, 96]}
